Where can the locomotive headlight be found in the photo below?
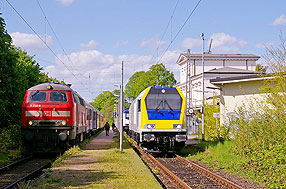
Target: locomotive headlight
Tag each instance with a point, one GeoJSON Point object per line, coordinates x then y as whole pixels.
{"type": "Point", "coordinates": [64, 122]}
{"type": "Point", "coordinates": [49, 87]}
{"type": "Point", "coordinates": [177, 126]}
{"type": "Point", "coordinates": [30, 123]}
{"type": "Point", "coordinates": [150, 126]}
{"type": "Point", "coordinates": [148, 137]}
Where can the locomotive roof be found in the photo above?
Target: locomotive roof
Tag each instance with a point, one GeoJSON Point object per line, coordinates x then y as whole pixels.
{"type": "Point", "coordinates": [56, 86]}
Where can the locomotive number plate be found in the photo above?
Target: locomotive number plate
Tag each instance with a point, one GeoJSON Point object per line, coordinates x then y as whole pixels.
{"type": "Point", "coordinates": [47, 113]}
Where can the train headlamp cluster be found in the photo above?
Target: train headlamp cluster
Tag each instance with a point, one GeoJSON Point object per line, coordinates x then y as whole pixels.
{"type": "Point", "coordinates": [47, 123]}
{"type": "Point", "coordinates": [177, 126]}
{"type": "Point", "coordinates": [63, 122]}
{"type": "Point", "coordinates": [49, 87]}
{"type": "Point", "coordinates": [150, 126]}
{"type": "Point", "coordinates": [148, 137]}
{"type": "Point", "coordinates": [181, 138]}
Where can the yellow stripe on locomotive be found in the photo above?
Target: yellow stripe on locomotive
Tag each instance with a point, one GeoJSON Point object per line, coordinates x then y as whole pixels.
{"type": "Point", "coordinates": [162, 122]}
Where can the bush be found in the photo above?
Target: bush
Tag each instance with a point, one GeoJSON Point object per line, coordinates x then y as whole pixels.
{"type": "Point", "coordinates": [214, 131]}
{"type": "Point", "coordinates": [11, 141]}
{"type": "Point", "coordinates": [260, 138]}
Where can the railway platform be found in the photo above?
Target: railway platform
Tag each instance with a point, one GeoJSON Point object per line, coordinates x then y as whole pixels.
{"type": "Point", "coordinates": [100, 164]}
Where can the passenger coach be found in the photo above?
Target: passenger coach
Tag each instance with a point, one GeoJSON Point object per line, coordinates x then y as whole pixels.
{"type": "Point", "coordinates": [157, 119]}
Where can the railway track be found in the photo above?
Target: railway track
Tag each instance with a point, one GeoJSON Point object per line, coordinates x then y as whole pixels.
{"type": "Point", "coordinates": [178, 172]}
{"type": "Point", "coordinates": [28, 168]}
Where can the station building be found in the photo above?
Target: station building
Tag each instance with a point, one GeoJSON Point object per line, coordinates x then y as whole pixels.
{"type": "Point", "coordinates": [216, 67]}
{"type": "Point", "coordinates": [238, 91]}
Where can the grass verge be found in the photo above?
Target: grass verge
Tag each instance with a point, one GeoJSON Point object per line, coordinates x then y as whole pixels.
{"type": "Point", "coordinates": [105, 168]}
{"type": "Point", "coordinates": [221, 156]}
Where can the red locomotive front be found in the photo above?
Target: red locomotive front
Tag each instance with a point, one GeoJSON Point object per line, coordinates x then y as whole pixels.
{"type": "Point", "coordinates": [53, 115]}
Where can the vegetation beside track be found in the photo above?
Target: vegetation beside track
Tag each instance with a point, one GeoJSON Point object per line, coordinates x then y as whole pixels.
{"type": "Point", "coordinates": [257, 129]}
{"type": "Point", "coordinates": [218, 155]}
{"type": "Point", "coordinates": [105, 168]}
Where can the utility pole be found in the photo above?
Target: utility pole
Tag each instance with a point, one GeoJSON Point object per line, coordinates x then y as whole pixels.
{"type": "Point", "coordinates": [203, 88]}
{"type": "Point", "coordinates": [121, 109]}
{"type": "Point", "coordinates": [188, 97]}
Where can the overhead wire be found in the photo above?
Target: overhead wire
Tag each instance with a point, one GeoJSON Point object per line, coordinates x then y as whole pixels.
{"type": "Point", "coordinates": [44, 42]}
{"type": "Point", "coordinates": [174, 10]}
{"type": "Point", "coordinates": [179, 30]}
{"type": "Point", "coordinates": [42, 10]}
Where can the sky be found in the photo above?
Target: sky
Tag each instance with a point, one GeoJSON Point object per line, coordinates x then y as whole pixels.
{"type": "Point", "coordinates": [83, 42]}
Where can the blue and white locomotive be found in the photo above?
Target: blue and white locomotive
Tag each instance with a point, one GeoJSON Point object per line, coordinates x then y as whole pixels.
{"type": "Point", "coordinates": [126, 120]}
{"type": "Point", "coordinates": [157, 119]}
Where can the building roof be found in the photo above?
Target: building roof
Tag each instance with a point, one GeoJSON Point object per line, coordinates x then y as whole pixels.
{"type": "Point", "coordinates": [230, 70]}
{"type": "Point", "coordinates": [237, 79]}
{"type": "Point", "coordinates": [185, 56]}
{"type": "Point", "coordinates": [225, 74]}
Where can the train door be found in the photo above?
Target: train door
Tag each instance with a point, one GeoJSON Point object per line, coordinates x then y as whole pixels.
{"type": "Point", "coordinates": [138, 113]}
{"type": "Point", "coordinates": [95, 120]}
{"type": "Point", "coordinates": [76, 110]}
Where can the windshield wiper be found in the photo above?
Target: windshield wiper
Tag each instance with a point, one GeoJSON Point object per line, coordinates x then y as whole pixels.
{"type": "Point", "coordinates": [157, 108]}
{"type": "Point", "coordinates": [168, 105]}
{"type": "Point", "coordinates": [35, 93]}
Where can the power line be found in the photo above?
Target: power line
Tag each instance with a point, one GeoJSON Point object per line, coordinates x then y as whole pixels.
{"type": "Point", "coordinates": [165, 29]}
{"type": "Point", "coordinates": [180, 30]}
{"type": "Point", "coordinates": [42, 10]}
{"type": "Point", "coordinates": [44, 42]}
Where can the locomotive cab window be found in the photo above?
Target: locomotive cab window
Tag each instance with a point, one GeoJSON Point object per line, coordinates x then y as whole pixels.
{"type": "Point", "coordinates": [163, 99]}
{"type": "Point", "coordinates": [58, 97]}
{"type": "Point", "coordinates": [38, 96]}
{"type": "Point", "coordinates": [139, 105]}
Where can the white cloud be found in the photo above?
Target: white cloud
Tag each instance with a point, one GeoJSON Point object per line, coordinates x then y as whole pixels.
{"type": "Point", "coordinates": [264, 45]}
{"type": "Point", "coordinates": [66, 2]}
{"type": "Point", "coordinates": [153, 42]}
{"type": "Point", "coordinates": [280, 20]}
{"type": "Point", "coordinates": [118, 43]}
{"type": "Point", "coordinates": [190, 43]}
{"type": "Point", "coordinates": [30, 41]}
{"type": "Point", "coordinates": [104, 69]}
{"type": "Point", "coordinates": [90, 44]}
{"type": "Point", "coordinates": [170, 59]}
{"type": "Point", "coordinates": [221, 42]}
{"type": "Point", "coordinates": [227, 43]}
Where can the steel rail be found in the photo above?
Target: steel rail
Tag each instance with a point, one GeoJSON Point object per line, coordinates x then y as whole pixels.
{"type": "Point", "coordinates": [210, 174]}
{"type": "Point", "coordinates": [30, 175]}
{"type": "Point", "coordinates": [179, 182]}
{"type": "Point", "coordinates": [9, 166]}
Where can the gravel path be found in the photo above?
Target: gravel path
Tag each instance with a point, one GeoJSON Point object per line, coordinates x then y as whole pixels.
{"type": "Point", "coordinates": [100, 142]}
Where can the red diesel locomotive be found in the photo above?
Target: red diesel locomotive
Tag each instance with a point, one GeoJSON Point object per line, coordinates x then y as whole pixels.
{"type": "Point", "coordinates": [54, 117]}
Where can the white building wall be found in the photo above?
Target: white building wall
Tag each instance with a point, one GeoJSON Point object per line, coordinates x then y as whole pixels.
{"type": "Point", "coordinates": [196, 66]}
{"type": "Point", "coordinates": [235, 95]}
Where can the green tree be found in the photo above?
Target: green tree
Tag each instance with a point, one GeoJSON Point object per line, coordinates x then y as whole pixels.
{"type": "Point", "coordinates": [137, 83]}
{"type": "Point", "coordinates": [157, 75]}
{"type": "Point", "coordinates": [8, 61]}
{"type": "Point", "coordinates": [261, 69]}
{"type": "Point", "coordinates": [105, 103]}
{"type": "Point", "coordinates": [214, 131]}
{"type": "Point", "coordinates": [160, 76]}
